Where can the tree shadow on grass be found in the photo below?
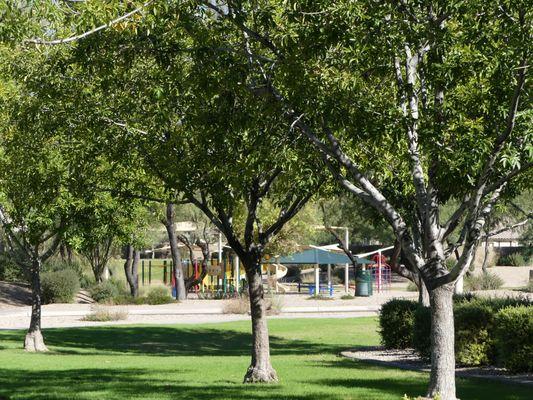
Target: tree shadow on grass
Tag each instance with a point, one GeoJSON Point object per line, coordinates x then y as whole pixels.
{"type": "Point", "coordinates": [112, 384]}
{"type": "Point", "coordinates": [164, 341]}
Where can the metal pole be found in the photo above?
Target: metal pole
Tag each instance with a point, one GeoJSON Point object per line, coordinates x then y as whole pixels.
{"type": "Point", "coordinates": [276, 276]}
{"type": "Point", "coordinates": [347, 266]}
{"type": "Point", "coordinates": [237, 272]}
{"type": "Point", "coordinates": [150, 272]}
{"type": "Point", "coordinates": [142, 271]}
{"type": "Point", "coordinates": [219, 247]}
{"type": "Point", "coordinates": [379, 272]}
{"type": "Point", "coordinates": [317, 280]}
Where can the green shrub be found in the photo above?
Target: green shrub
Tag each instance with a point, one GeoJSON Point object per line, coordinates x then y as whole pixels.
{"type": "Point", "coordinates": [513, 259]}
{"type": "Point", "coordinates": [59, 286]}
{"type": "Point", "coordinates": [411, 287]}
{"type": "Point", "coordinates": [104, 292]}
{"type": "Point", "coordinates": [10, 271]}
{"type": "Point", "coordinates": [514, 338]}
{"type": "Point", "coordinates": [126, 298]}
{"type": "Point", "coordinates": [473, 325]}
{"type": "Point", "coordinates": [474, 328]}
{"type": "Point", "coordinates": [87, 281]}
{"type": "Point", "coordinates": [421, 332]}
{"type": "Point", "coordinates": [319, 297]}
{"type": "Point", "coordinates": [396, 321]}
{"type": "Point", "coordinates": [57, 264]}
{"type": "Point", "coordinates": [158, 295]}
{"type": "Point", "coordinates": [483, 281]}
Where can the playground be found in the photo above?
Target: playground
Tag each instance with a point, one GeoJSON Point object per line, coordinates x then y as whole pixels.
{"type": "Point", "coordinates": [317, 271]}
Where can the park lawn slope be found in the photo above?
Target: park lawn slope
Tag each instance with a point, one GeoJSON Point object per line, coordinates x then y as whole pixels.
{"type": "Point", "coordinates": [209, 361]}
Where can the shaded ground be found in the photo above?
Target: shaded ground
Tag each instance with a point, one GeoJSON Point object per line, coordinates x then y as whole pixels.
{"type": "Point", "coordinates": [208, 362]}
{"type": "Point", "coordinates": [12, 294]}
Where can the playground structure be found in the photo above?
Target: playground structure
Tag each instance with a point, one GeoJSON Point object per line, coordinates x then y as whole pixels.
{"type": "Point", "coordinates": [225, 279]}
{"type": "Point", "coordinates": [228, 278]}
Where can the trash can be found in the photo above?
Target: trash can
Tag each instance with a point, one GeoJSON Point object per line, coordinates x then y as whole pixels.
{"type": "Point", "coordinates": [363, 284]}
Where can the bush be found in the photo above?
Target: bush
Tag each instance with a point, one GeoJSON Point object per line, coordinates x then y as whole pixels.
{"type": "Point", "coordinates": [319, 297]}
{"type": "Point", "coordinates": [411, 287]}
{"type": "Point", "coordinates": [11, 271]}
{"type": "Point", "coordinates": [158, 295]}
{"type": "Point", "coordinates": [57, 264]}
{"type": "Point", "coordinates": [126, 298]}
{"type": "Point", "coordinates": [396, 321]}
{"type": "Point", "coordinates": [513, 260]}
{"type": "Point", "coordinates": [483, 281]}
{"type": "Point", "coordinates": [59, 286]}
{"type": "Point", "coordinates": [473, 324]}
{"type": "Point", "coordinates": [347, 297]}
{"type": "Point", "coordinates": [104, 292]}
{"type": "Point", "coordinates": [421, 332]}
{"type": "Point", "coordinates": [240, 305]}
{"type": "Point", "coordinates": [100, 314]}
{"type": "Point", "coordinates": [274, 305]}
{"type": "Point", "coordinates": [514, 338]}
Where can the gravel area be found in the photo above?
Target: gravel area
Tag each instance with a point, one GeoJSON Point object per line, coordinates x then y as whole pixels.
{"type": "Point", "coordinates": [408, 359]}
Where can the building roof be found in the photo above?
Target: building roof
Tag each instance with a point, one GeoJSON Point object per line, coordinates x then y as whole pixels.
{"type": "Point", "coordinates": [318, 256]}
{"type": "Point", "coordinates": [508, 236]}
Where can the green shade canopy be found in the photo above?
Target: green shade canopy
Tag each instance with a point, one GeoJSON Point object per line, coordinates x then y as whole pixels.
{"type": "Point", "coordinates": [318, 256]}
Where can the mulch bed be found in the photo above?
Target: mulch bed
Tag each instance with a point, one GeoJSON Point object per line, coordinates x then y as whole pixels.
{"type": "Point", "coordinates": [408, 359]}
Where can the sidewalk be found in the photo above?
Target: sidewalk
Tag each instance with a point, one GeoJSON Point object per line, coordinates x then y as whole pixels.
{"type": "Point", "coordinates": [196, 311]}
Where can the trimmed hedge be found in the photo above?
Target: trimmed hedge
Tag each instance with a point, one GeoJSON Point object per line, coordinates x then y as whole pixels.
{"type": "Point", "coordinates": [514, 338]}
{"type": "Point", "coordinates": [421, 339]}
{"type": "Point", "coordinates": [59, 286]}
{"type": "Point", "coordinates": [473, 343]}
{"type": "Point", "coordinates": [396, 321]}
{"type": "Point", "coordinates": [476, 325]}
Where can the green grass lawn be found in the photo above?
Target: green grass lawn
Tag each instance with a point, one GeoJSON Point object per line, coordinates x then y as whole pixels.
{"type": "Point", "coordinates": [209, 361]}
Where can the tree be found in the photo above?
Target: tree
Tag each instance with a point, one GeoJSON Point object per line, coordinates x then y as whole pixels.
{"type": "Point", "coordinates": [35, 198]}
{"type": "Point", "coordinates": [179, 114]}
{"type": "Point", "coordinates": [409, 105]}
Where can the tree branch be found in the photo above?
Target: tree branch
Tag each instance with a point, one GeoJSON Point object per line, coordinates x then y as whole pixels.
{"type": "Point", "coordinates": [90, 32]}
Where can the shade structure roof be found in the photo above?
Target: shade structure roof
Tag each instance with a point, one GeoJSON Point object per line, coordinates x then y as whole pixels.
{"type": "Point", "coordinates": [318, 256]}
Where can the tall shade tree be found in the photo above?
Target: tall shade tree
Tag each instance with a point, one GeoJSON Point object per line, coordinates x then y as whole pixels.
{"type": "Point", "coordinates": [203, 134]}
{"type": "Point", "coordinates": [410, 105]}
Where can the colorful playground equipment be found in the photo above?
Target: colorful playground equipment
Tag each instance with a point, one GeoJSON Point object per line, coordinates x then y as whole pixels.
{"type": "Point", "coordinates": [227, 278]}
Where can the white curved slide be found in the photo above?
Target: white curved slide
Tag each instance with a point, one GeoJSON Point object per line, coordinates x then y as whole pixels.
{"type": "Point", "coordinates": [274, 273]}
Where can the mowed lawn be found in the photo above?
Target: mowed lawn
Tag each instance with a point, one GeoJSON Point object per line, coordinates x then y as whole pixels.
{"type": "Point", "coordinates": [209, 361]}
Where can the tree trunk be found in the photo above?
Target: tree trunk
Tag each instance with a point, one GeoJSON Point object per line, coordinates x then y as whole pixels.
{"type": "Point", "coordinates": [181, 291]}
{"type": "Point", "coordinates": [442, 377]}
{"type": "Point", "coordinates": [423, 294]}
{"type": "Point", "coordinates": [131, 269]}
{"type": "Point", "coordinates": [260, 369]}
{"type": "Point", "coordinates": [34, 338]}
